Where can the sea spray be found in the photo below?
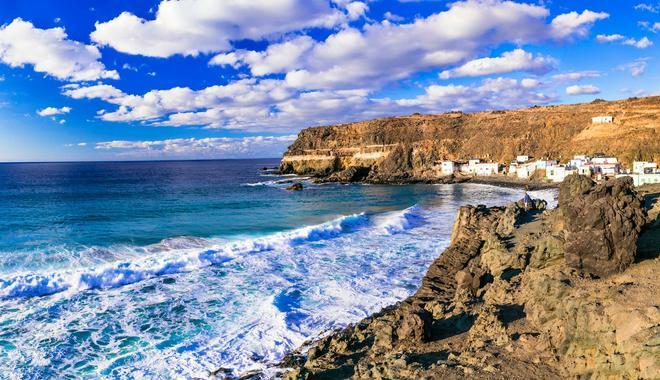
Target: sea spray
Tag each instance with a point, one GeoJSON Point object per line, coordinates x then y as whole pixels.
{"type": "Point", "coordinates": [123, 273]}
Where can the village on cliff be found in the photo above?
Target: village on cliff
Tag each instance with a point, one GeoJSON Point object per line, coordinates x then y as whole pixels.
{"type": "Point", "coordinates": [598, 167]}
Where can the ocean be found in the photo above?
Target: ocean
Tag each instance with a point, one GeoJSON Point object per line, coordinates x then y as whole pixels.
{"type": "Point", "coordinates": [176, 269]}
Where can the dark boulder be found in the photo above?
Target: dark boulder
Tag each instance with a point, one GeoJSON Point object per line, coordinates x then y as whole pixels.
{"type": "Point", "coordinates": [295, 187]}
{"type": "Point", "coordinates": [602, 223]}
{"type": "Point", "coordinates": [352, 174]}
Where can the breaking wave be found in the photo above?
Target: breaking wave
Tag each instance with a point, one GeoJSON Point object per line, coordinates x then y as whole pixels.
{"type": "Point", "coordinates": [400, 221]}
{"type": "Point", "coordinates": [170, 261]}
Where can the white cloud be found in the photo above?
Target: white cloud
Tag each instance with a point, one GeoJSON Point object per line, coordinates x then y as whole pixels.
{"type": "Point", "coordinates": [392, 17]}
{"type": "Point", "coordinates": [100, 91]}
{"type": "Point", "coordinates": [648, 7]}
{"type": "Point", "coordinates": [609, 37]}
{"type": "Point", "coordinates": [587, 89]}
{"type": "Point", "coordinates": [515, 60]}
{"type": "Point", "coordinates": [82, 144]}
{"type": "Point", "coordinates": [636, 67]}
{"type": "Point", "coordinates": [384, 52]}
{"type": "Point", "coordinates": [642, 43]}
{"type": "Point", "coordinates": [276, 58]}
{"type": "Point", "coordinates": [490, 94]}
{"type": "Point", "coordinates": [576, 75]}
{"type": "Point", "coordinates": [236, 97]}
{"type": "Point", "coordinates": [51, 111]}
{"type": "Point", "coordinates": [218, 147]}
{"type": "Point", "coordinates": [190, 27]}
{"type": "Point", "coordinates": [575, 24]}
{"type": "Point", "coordinates": [655, 27]}
{"type": "Point", "coordinates": [356, 9]}
{"type": "Point", "coordinates": [51, 52]}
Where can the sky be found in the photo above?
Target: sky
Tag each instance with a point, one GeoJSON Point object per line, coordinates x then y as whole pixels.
{"type": "Point", "coordinates": [205, 79]}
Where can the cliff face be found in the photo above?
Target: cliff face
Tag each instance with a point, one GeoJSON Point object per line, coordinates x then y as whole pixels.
{"type": "Point", "coordinates": [412, 146]}
{"type": "Point", "coordinates": [507, 301]}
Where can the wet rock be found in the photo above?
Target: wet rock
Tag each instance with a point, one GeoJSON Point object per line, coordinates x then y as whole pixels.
{"type": "Point", "coordinates": [602, 224]}
{"type": "Point", "coordinates": [295, 187]}
{"type": "Point", "coordinates": [352, 174]}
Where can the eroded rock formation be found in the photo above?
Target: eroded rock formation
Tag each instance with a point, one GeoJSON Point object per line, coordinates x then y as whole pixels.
{"type": "Point", "coordinates": [602, 224]}
{"type": "Point", "coordinates": [501, 302]}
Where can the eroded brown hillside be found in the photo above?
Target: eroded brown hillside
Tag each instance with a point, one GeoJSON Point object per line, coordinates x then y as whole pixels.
{"type": "Point", "coordinates": [550, 131]}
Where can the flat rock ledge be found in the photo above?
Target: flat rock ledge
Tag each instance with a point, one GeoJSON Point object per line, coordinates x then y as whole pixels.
{"type": "Point", "coordinates": [519, 294]}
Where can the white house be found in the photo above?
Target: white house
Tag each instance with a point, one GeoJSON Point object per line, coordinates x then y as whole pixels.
{"type": "Point", "coordinates": [525, 170]}
{"type": "Point", "coordinates": [642, 167]}
{"type": "Point", "coordinates": [585, 170]}
{"type": "Point", "coordinates": [487, 168]}
{"type": "Point", "coordinates": [579, 160]}
{"type": "Point", "coordinates": [640, 179]}
{"type": "Point", "coordinates": [543, 164]}
{"type": "Point", "coordinates": [557, 173]}
{"type": "Point", "coordinates": [606, 165]}
{"type": "Point", "coordinates": [449, 167]}
{"type": "Point", "coordinates": [604, 160]}
{"type": "Point", "coordinates": [522, 158]}
{"type": "Point", "coordinates": [602, 119]}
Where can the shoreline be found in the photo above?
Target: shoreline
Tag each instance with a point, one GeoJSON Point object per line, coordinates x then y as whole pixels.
{"type": "Point", "coordinates": [500, 181]}
{"type": "Point", "coordinates": [492, 298]}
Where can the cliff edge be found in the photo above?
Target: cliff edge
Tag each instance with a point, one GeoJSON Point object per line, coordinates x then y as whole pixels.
{"type": "Point", "coordinates": [410, 148]}
{"type": "Point", "coordinates": [521, 292]}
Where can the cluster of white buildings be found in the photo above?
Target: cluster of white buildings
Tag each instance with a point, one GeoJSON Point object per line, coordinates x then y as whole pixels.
{"type": "Point", "coordinates": [597, 167]}
{"type": "Point", "coordinates": [470, 167]}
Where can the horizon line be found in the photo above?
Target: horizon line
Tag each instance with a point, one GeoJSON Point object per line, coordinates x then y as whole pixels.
{"type": "Point", "coordinates": [145, 160]}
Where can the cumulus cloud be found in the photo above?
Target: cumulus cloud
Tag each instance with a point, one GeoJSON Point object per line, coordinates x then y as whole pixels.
{"type": "Point", "coordinates": [191, 27]}
{"type": "Point", "coordinates": [642, 43]}
{"type": "Point", "coordinates": [276, 58]}
{"type": "Point", "coordinates": [51, 52]}
{"type": "Point", "coordinates": [297, 81]}
{"type": "Point", "coordinates": [382, 52]}
{"type": "Point", "coordinates": [489, 94]}
{"type": "Point", "coordinates": [515, 60]}
{"type": "Point", "coordinates": [218, 147]}
{"type": "Point", "coordinates": [575, 24]}
{"type": "Point", "coordinates": [52, 111]}
{"type": "Point", "coordinates": [587, 89]}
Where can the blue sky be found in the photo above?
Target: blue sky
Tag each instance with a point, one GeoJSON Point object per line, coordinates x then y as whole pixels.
{"type": "Point", "coordinates": [112, 79]}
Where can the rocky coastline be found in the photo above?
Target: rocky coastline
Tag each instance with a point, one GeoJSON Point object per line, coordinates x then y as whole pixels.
{"type": "Point", "coordinates": [411, 149]}
{"type": "Point", "coordinates": [521, 292]}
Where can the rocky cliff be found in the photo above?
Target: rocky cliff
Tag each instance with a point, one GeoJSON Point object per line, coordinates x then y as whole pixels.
{"type": "Point", "coordinates": [410, 148]}
{"type": "Point", "coordinates": [513, 297]}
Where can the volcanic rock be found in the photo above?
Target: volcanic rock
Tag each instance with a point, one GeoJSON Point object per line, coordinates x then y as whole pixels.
{"type": "Point", "coordinates": [295, 187]}
{"type": "Point", "coordinates": [602, 224]}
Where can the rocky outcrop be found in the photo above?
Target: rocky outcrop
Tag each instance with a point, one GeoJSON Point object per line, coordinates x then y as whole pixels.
{"type": "Point", "coordinates": [295, 187]}
{"type": "Point", "coordinates": [602, 224]}
{"type": "Point", "coordinates": [501, 302]}
{"type": "Point", "coordinates": [410, 148]}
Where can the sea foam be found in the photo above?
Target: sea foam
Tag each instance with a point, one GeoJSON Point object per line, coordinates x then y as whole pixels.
{"type": "Point", "coordinates": [400, 221]}
{"type": "Point", "coordinates": [122, 273]}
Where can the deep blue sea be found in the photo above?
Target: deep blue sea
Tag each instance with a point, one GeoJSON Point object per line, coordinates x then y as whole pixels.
{"type": "Point", "coordinates": [176, 269]}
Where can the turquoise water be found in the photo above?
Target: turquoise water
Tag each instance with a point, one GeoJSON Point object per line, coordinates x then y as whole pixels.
{"type": "Point", "coordinates": [175, 269]}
